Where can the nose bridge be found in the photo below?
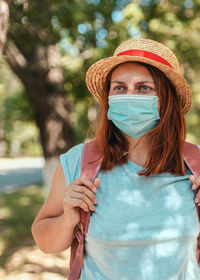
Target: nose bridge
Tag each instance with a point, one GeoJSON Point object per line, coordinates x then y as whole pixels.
{"type": "Point", "coordinates": [131, 86]}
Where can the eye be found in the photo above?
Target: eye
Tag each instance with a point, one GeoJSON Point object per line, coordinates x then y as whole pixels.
{"type": "Point", "coordinates": [119, 88]}
{"type": "Point", "coordinates": [145, 89]}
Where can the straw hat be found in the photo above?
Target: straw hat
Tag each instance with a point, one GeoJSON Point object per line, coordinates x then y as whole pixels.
{"type": "Point", "coordinates": [141, 50]}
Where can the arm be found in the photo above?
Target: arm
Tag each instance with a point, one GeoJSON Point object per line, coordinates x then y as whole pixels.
{"type": "Point", "coordinates": [52, 230]}
{"type": "Point", "coordinates": [54, 226]}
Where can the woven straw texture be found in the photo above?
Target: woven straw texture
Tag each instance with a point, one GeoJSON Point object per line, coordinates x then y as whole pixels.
{"type": "Point", "coordinates": [96, 76]}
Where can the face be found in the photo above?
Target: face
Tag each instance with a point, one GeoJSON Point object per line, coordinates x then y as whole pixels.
{"type": "Point", "coordinates": [132, 78]}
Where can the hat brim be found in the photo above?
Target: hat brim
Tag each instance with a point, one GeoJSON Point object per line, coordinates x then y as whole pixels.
{"type": "Point", "coordinates": [96, 77]}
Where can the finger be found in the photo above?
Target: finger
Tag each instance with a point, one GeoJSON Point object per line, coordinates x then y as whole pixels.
{"type": "Point", "coordinates": [85, 182]}
{"type": "Point", "coordinates": [192, 179]}
{"type": "Point", "coordinates": [85, 190]}
{"type": "Point", "coordinates": [82, 196]}
{"type": "Point", "coordinates": [197, 198]}
{"type": "Point", "coordinates": [97, 181]}
{"type": "Point", "coordinates": [198, 181]}
{"type": "Point", "coordinates": [75, 202]}
{"type": "Point", "coordinates": [194, 182]}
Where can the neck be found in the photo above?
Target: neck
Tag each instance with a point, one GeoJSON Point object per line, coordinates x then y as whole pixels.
{"type": "Point", "coordinates": [139, 150]}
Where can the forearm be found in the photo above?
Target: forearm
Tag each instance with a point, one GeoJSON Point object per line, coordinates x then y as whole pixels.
{"type": "Point", "coordinates": [53, 235]}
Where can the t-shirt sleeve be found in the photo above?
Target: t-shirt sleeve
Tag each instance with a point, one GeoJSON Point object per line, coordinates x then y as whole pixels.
{"type": "Point", "coordinates": [71, 163]}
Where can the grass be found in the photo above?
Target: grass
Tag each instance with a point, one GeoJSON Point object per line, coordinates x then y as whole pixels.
{"type": "Point", "coordinates": [18, 253]}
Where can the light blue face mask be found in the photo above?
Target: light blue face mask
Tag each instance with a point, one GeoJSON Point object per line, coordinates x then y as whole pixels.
{"type": "Point", "coordinates": [133, 114]}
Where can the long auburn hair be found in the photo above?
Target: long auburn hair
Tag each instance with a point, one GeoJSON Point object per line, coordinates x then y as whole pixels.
{"type": "Point", "coordinates": [167, 138]}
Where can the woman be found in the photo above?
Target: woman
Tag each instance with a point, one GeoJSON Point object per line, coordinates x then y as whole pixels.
{"type": "Point", "coordinates": [143, 223]}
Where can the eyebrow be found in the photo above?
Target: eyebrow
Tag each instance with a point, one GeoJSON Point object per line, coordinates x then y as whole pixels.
{"type": "Point", "coordinates": [140, 82]}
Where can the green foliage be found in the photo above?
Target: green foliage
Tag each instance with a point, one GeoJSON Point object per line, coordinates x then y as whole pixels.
{"type": "Point", "coordinates": [17, 212]}
{"type": "Point", "coordinates": [17, 115]}
{"type": "Point", "coordinates": [88, 30]}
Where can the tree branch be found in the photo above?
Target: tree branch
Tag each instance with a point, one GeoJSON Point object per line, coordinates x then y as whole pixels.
{"type": "Point", "coordinates": [16, 60]}
{"type": "Point", "coordinates": [4, 16]}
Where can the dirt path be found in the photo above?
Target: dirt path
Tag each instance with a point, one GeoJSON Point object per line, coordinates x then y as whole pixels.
{"type": "Point", "coordinates": [30, 263]}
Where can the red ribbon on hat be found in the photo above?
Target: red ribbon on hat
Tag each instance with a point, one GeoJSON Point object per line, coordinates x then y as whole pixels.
{"type": "Point", "coordinates": [146, 54]}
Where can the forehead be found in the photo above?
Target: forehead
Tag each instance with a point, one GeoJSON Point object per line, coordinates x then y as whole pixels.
{"type": "Point", "coordinates": [130, 69]}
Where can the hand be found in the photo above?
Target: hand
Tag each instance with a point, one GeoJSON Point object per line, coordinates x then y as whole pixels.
{"type": "Point", "coordinates": [79, 194]}
{"type": "Point", "coordinates": [195, 185]}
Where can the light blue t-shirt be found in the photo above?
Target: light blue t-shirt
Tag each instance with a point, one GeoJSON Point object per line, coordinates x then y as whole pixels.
{"type": "Point", "coordinates": [142, 229]}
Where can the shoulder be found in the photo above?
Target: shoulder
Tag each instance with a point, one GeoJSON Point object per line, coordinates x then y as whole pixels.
{"type": "Point", "coordinates": [73, 152]}
{"type": "Point", "coordinates": [71, 163]}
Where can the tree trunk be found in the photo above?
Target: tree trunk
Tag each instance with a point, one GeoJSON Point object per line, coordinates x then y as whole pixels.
{"type": "Point", "coordinates": [4, 15]}
{"type": "Point", "coordinates": [43, 81]}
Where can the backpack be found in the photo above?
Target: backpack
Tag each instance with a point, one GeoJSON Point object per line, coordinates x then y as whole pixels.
{"type": "Point", "coordinates": [90, 166]}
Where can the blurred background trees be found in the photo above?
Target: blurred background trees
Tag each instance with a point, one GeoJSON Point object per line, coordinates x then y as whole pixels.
{"type": "Point", "coordinates": [50, 45]}
{"type": "Point", "coordinates": [4, 15]}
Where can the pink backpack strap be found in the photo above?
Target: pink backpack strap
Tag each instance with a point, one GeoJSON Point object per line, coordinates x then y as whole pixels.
{"type": "Point", "coordinates": [90, 165]}
{"type": "Point", "coordinates": [192, 159]}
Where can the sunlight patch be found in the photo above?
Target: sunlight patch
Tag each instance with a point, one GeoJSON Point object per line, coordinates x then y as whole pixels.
{"type": "Point", "coordinates": [5, 213]}
{"type": "Point", "coordinates": [177, 221]}
{"type": "Point", "coordinates": [131, 230]}
{"type": "Point", "coordinates": [147, 266]}
{"type": "Point", "coordinates": [24, 201]}
{"type": "Point", "coordinates": [173, 200]}
{"type": "Point", "coordinates": [167, 234]}
{"type": "Point", "coordinates": [166, 249]}
{"type": "Point", "coordinates": [131, 197]}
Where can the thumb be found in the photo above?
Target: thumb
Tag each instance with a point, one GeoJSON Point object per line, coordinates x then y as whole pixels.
{"type": "Point", "coordinates": [97, 182]}
{"type": "Point", "coordinates": [192, 179]}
